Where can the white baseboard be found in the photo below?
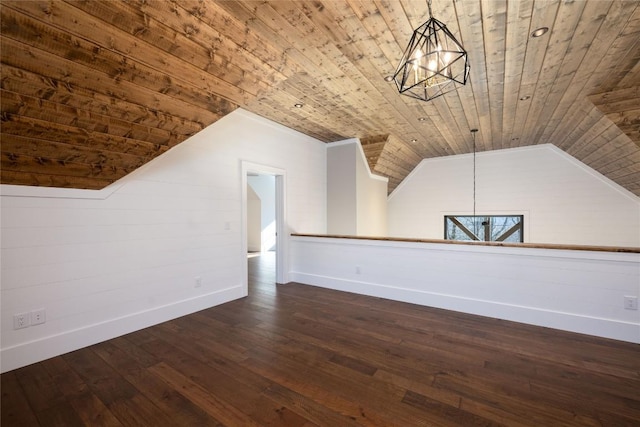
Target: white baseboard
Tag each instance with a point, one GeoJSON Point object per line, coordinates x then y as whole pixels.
{"type": "Point", "coordinates": [606, 328]}
{"type": "Point", "coordinates": [41, 349]}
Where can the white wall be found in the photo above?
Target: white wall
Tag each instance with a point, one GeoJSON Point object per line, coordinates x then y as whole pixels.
{"type": "Point", "coordinates": [578, 291]}
{"type": "Point", "coordinates": [563, 200]}
{"type": "Point", "coordinates": [342, 207]}
{"type": "Point", "coordinates": [104, 263]}
{"type": "Point", "coordinates": [265, 188]}
{"type": "Point", "coordinates": [356, 198]}
{"type": "Point", "coordinates": [371, 195]}
{"type": "Point", "coordinates": [254, 221]}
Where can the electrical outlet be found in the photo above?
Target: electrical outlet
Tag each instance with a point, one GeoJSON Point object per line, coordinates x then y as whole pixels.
{"type": "Point", "coordinates": [630, 302]}
{"type": "Point", "coordinates": [198, 280]}
{"type": "Point", "coordinates": [21, 320]}
{"type": "Point", "coordinates": [38, 317]}
{"type": "Point", "coordinates": [358, 270]}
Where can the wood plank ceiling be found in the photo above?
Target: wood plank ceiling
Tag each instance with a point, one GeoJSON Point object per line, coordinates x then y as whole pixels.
{"type": "Point", "coordinates": [91, 90]}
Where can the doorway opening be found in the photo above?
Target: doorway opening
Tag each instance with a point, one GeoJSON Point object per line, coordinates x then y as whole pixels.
{"type": "Point", "coordinates": [263, 221]}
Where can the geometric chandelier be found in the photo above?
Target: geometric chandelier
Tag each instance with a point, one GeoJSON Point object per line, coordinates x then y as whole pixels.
{"type": "Point", "coordinates": [433, 64]}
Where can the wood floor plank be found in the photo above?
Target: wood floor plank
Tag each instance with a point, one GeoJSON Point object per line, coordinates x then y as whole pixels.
{"type": "Point", "coordinates": [169, 400]}
{"type": "Point", "coordinates": [301, 356]}
{"type": "Point", "coordinates": [15, 407]}
{"type": "Point", "coordinates": [88, 407]}
{"type": "Point", "coordinates": [124, 401]}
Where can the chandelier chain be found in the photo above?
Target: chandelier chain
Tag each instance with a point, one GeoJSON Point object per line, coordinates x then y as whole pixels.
{"type": "Point", "coordinates": [474, 174]}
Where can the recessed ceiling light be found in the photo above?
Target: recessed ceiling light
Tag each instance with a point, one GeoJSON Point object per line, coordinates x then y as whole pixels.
{"type": "Point", "coordinates": [524, 98]}
{"type": "Point", "coordinates": [540, 32]}
{"type": "Point", "coordinates": [414, 140]}
{"type": "Point", "coordinates": [388, 78]}
{"type": "Point", "coordinates": [422, 119]}
{"type": "Point", "coordinates": [298, 105]}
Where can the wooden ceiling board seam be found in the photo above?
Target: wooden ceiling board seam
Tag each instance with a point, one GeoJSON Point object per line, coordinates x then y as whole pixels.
{"type": "Point", "coordinates": [495, 18]}
{"type": "Point", "coordinates": [94, 30]}
{"type": "Point", "coordinates": [295, 121]}
{"type": "Point", "coordinates": [431, 143]}
{"type": "Point", "coordinates": [430, 132]}
{"type": "Point", "coordinates": [627, 166]}
{"type": "Point", "coordinates": [632, 78]}
{"type": "Point", "coordinates": [312, 105]}
{"type": "Point", "coordinates": [65, 153]}
{"type": "Point", "coordinates": [389, 94]}
{"type": "Point", "coordinates": [604, 47]}
{"type": "Point", "coordinates": [38, 61]}
{"type": "Point", "coordinates": [400, 167]}
{"type": "Point", "coordinates": [518, 27]}
{"type": "Point", "coordinates": [113, 65]}
{"type": "Point", "coordinates": [337, 76]}
{"type": "Point", "coordinates": [435, 138]}
{"type": "Point", "coordinates": [583, 131]}
{"type": "Point", "coordinates": [399, 149]}
{"type": "Point", "coordinates": [601, 133]}
{"type": "Point", "coordinates": [31, 164]}
{"type": "Point", "coordinates": [49, 89]}
{"type": "Point", "coordinates": [453, 109]}
{"type": "Point", "coordinates": [477, 106]}
{"type": "Point", "coordinates": [13, 103]}
{"type": "Point", "coordinates": [72, 135]}
{"type": "Point", "coordinates": [617, 100]}
{"type": "Point", "coordinates": [628, 174]}
{"type": "Point", "coordinates": [457, 110]}
{"type": "Point", "coordinates": [537, 49]}
{"type": "Point", "coordinates": [351, 76]}
{"type": "Point", "coordinates": [554, 73]}
{"type": "Point", "coordinates": [620, 152]}
{"type": "Point", "coordinates": [260, 61]}
{"type": "Point", "coordinates": [31, 179]}
{"type": "Point", "coordinates": [135, 23]}
{"type": "Point", "coordinates": [595, 44]}
{"type": "Point", "coordinates": [339, 119]}
{"type": "Point", "coordinates": [361, 64]}
{"type": "Point", "coordinates": [624, 51]}
{"type": "Point", "coordinates": [377, 28]}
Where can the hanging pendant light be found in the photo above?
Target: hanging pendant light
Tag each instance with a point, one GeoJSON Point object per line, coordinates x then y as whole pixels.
{"type": "Point", "coordinates": [475, 222]}
{"type": "Point", "coordinates": [433, 64]}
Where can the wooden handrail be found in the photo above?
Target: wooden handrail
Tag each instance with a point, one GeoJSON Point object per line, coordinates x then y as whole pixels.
{"type": "Point", "coordinates": [475, 243]}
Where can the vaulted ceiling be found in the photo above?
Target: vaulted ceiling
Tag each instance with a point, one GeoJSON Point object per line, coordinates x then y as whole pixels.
{"type": "Point", "coordinates": [91, 90]}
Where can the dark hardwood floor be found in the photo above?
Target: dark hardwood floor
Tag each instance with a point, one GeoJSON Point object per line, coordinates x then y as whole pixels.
{"type": "Point", "coordinates": [296, 355]}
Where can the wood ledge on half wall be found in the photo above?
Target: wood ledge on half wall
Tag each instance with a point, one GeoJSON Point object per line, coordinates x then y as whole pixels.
{"type": "Point", "coordinates": [504, 244]}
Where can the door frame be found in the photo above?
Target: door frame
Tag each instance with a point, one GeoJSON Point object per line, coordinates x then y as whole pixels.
{"type": "Point", "coordinates": [282, 233]}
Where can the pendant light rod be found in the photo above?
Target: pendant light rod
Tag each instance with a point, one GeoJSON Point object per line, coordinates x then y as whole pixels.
{"type": "Point", "coordinates": [473, 132]}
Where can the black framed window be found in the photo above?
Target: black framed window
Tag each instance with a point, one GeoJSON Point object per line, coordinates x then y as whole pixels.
{"type": "Point", "coordinates": [487, 228]}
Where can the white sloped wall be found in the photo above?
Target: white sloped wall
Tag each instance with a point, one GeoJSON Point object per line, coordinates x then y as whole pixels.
{"type": "Point", "coordinates": [104, 263]}
{"type": "Point", "coordinates": [563, 200]}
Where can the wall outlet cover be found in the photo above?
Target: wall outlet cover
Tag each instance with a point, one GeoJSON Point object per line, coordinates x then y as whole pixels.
{"type": "Point", "coordinates": [21, 320]}
{"type": "Point", "coordinates": [630, 303]}
{"type": "Point", "coordinates": [38, 316]}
